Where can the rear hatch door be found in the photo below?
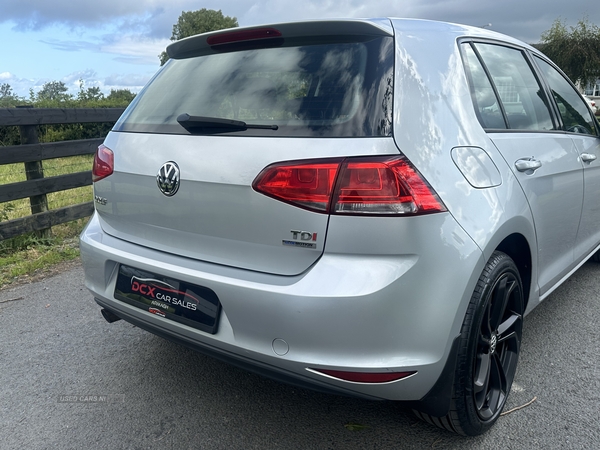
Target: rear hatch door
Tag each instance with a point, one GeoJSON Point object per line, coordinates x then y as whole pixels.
{"type": "Point", "coordinates": [308, 92]}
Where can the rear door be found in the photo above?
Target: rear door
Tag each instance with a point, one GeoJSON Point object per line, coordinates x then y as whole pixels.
{"type": "Point", "coordinates": [512, 106]}
{"type": "Point", "coordinates": [583, 129]}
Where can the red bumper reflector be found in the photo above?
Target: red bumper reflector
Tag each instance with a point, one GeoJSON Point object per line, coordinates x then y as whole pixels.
{"type": "Point", "coordinates": [365, 377]}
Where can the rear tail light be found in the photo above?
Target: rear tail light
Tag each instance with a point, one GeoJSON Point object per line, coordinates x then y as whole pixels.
{"type": "Point", "coordinates": [104, 163]}
{"type": "Point", "coordinates": [357, 186]}
{"type": "Point", "coordinates": [307, 184]}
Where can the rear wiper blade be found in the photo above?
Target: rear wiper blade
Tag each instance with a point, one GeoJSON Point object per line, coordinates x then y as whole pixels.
{"type": "Point", "coordinates": [191, 123]}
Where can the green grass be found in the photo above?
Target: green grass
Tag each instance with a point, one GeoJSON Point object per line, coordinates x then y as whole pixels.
{"type": "Point", "coordinates": [27, 255]}
{"type": "Point", "coordinates": [13, 173]}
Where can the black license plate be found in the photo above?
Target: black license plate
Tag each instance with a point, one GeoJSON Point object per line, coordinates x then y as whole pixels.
{"type": "Point", "coordinates": [182, 302]}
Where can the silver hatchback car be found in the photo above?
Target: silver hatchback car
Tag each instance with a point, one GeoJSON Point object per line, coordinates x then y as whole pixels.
{"type": "Point", "coordinates": [368, 207]}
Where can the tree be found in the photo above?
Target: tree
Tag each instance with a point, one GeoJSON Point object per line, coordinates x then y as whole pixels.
{"type": "Point", "coordinates": [196, 22]}
{"type": "Point", "coordinates": [575, 51]}
{"type": "Point", "coordinates": [53, 90]}
{"type": "Point", "coordinates": [6, 91]}
{"type": "Point", "coordinates": [8, 98]}
{"type": "Point", "coordinates": [121, 96]}
{"type": "Point", "coordinates": [7, 95]}
{"type": "Point", "coordinates": [91, 94]}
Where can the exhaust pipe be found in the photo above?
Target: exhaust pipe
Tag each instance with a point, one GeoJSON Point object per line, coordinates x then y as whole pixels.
{"type": "Point", "coordinates": [108, 316]}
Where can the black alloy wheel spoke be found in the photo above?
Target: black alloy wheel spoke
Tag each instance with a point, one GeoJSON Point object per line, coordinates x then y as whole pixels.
{"type": "Point", "coordinates": [502, 379]}
{"type": "Point", "coordinates": [497, 386]}
{"type": "Point", "coordinates": [482, 379]}
{"type": "Point", "coordinates": [486, 329]}
{"type": "Point", "coordinates": [508, 324]}
{"type": "Point", "coordinates": [500, 297]}
{"type": "Point", "coordinates": [506, 338]}
{"type": "Point", "coordinates": [490, 398]}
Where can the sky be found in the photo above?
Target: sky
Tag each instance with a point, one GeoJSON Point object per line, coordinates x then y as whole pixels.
{"type": "Point", "coordinates": [114, 44]}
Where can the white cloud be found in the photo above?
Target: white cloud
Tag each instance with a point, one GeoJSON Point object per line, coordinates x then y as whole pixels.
{"type": "Point", "coordinates": [132, 81]}
{"type": "Point", "coordinates": [36, 14]}
{"type": "Point", "coordinates": [136, 49]}
{"type": "Point", "coordinates": [90, 78]}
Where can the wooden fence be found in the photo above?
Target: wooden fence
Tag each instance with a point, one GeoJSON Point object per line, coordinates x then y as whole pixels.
{"type": "Point", "coordinates": [31, 153]}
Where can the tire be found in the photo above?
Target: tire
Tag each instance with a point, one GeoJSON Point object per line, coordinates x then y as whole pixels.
{"type": "Point", "coordinates": [489, 347]}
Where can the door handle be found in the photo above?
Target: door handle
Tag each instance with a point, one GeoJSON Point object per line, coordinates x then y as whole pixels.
{"type": "Point", "coordinates": [588, 157]}
{"type": "Point", "coordinates": [528, 165]}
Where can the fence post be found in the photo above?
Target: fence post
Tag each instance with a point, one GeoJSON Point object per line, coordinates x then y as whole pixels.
{"type": "Point", "coordinates": [33, 171]}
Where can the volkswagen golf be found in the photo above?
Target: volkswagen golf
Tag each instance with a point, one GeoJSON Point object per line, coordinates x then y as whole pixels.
{"type": "Point", "coordinates": [364, 207]}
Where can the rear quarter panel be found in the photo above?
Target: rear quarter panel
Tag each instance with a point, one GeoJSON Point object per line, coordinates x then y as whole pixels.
{"type": "Point", "coordinates": [433, 113]}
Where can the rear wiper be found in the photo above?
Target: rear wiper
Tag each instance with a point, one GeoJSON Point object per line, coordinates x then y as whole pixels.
{"type": "Point", "coordinates": [214, 124]}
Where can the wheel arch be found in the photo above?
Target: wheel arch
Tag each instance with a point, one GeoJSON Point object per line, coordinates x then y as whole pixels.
{"type": "Point", "coordinates": [517, 247]}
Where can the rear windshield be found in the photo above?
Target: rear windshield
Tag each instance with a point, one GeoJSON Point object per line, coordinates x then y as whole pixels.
{"type": "Point", "coordinates": [334, 89]}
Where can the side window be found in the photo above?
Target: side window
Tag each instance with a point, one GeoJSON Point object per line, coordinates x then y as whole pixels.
{"type": "Point", "coordinates": [522, 97]}
{"type": "Point", "coordinates": [575, 115]}
{"type": "Point", "coordinates": [484, 98]}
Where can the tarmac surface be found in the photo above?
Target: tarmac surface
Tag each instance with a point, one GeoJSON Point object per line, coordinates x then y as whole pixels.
{"type": "Point", "coordinates": [70, 380]}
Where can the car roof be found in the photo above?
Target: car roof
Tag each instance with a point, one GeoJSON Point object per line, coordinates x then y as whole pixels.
{"type": "Point", "coordinates": [454, 30]}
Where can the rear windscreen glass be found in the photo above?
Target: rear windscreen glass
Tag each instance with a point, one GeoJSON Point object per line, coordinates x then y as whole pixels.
{"type": "Point", "coordinates": [335, 89]}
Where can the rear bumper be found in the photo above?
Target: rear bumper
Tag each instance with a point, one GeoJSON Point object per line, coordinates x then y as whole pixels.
{"type": "Point", "coordinates": [397, 312]}
{"type": "Point", "coordinates": [237, 360]}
